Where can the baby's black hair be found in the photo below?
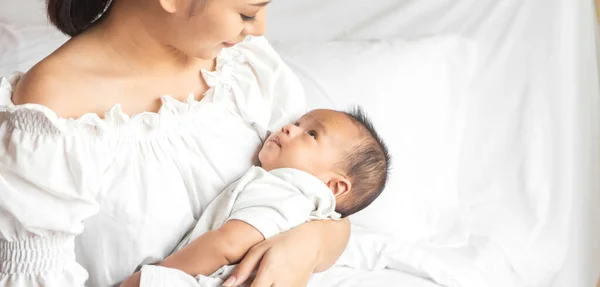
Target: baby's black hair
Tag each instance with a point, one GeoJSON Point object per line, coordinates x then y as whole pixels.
{"type": "Point", "coordinates": [367, 165]}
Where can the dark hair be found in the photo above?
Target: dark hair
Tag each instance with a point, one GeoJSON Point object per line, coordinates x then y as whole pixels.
{"type": "Point", "coordinates": [74, 16]}
{"type": "Point", "coordinates": [367, 165]}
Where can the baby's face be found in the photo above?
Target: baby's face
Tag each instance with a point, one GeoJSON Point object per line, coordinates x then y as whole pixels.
{"type": "Point", "coordinates": [314, 144]}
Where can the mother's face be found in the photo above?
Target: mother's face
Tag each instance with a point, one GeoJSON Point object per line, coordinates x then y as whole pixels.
{"type": "Point", "coordinates": [201, 28]}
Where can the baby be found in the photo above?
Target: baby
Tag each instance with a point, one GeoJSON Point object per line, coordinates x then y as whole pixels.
{"type": "Point", "coordinates": [327, 165]}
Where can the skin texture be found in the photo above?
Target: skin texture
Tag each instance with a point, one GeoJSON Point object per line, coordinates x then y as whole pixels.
{"type": "Point", "coordinates": [140, 51]}
{"type": "Point", "coordinates": [144, 49]}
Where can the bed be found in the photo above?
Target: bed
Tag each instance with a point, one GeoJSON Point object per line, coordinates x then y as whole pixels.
{"type": "Point", "coordinates": [491, 108]}
{"type": "Point", "coordinates": [346, 276]}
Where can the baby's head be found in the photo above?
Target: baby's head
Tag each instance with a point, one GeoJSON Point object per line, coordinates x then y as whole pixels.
{"type": "Point", "coordinates": [341, 149]}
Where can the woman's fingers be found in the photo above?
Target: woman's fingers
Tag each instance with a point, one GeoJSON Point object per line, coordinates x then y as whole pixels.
{"type": "Point", "coordinates": [245, 268]}
{"type": "Point", "coordinates": [264, 276]}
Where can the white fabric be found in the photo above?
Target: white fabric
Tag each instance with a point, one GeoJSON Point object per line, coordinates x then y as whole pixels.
{"type": "Point", "coordinates": [272, 202]}
{"type": "Point", "coordinates": [23, 13]}
{"type": "Point", "coordinates": [21, 47]}
{"type": "Point", "coordinates": [161, 276]}
{"type": "Point", "coordinates": [415, 93]}
{"type": "Point", "coordinates": [339, 276]}
{"type": "Point", "coordinates": [137, 184]}
{"type": "Point", "coordinates": [534, 55]}
{"type": "Point", "coordinates": [448, 266]}
{"type": "Point", "coordinates": [529, 159]}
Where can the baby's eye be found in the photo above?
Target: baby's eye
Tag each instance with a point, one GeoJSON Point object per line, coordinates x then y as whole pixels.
{"type": "Point", "coordinates": [313, 134]}
{"type": "Point", "coordinates": [297, 124]}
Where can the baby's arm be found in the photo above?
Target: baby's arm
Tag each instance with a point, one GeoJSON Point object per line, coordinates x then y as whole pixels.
{"type": "Point", "coordinates": [205, 255]}
{"type": "Point", "coordinates": [224, 246]}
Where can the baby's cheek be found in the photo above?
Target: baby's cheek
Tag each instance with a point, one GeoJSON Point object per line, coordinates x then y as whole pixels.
{"type": "Point", "coordinates": [263, 156]}
{"type": "Point", "coordinates": [302, 160]}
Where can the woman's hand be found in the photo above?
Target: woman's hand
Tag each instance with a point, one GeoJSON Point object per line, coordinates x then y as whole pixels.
{"type": "Point", "coordinates": [289, 259]}
{"type": "Point", "coordinates": [132, 281]}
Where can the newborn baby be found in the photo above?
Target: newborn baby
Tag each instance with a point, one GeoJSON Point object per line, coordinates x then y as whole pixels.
{"type": "Point", "coordinates": [327, 165]}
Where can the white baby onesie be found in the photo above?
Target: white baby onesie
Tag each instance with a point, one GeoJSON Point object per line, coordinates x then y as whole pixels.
{"type": "Point", "coordinates": [272, 202]}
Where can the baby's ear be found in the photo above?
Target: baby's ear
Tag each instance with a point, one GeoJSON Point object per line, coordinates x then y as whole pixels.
{"type": "Point", "coordinates": [339, 185]}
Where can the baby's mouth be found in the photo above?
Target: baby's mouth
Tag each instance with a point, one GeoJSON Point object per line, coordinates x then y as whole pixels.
{"type": "Point", "coordinates": [276, 141]}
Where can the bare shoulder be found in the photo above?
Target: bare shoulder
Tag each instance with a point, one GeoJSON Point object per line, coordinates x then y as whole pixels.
{"type": "Point", "coordinates": [48, 84]}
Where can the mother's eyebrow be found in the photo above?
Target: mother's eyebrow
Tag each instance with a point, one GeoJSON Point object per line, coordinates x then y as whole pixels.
{"type": "Point", "coordinates": [261, 4]}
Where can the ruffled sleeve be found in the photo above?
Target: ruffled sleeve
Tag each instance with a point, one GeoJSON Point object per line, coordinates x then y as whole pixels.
{"type": "Point", "coordinates": [277, 81]}
{"type": "Point", "coordinates": [48, 180]}
{"type": "Point", "coordinates": [266, 91]}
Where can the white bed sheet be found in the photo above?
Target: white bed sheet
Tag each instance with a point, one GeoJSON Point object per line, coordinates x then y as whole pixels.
{"type": "Point", "coordinates": [530, 170]}
{"type": "Point", "coordinates": [349, 277]}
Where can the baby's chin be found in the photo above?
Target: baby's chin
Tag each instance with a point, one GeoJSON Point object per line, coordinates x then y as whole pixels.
{"type": "Point", "coordinates": [270, 161]}
{"type": "Point", "coordinates": [267, 160]}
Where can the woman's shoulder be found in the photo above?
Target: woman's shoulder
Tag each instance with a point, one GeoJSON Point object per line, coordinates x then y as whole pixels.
{"type": "Point", "coordinates": [35, 86]}
{"type": "Point", "coordinates": [50, 83]}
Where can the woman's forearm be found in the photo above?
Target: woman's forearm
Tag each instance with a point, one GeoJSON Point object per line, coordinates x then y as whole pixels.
{"type": "Point", "coordinates": [311, 247]}
{"type": "Point", "coordinates": [334, 238]}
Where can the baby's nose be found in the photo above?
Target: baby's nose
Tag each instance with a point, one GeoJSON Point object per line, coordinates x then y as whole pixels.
{"type": "Point", "coordinates": [289, 130]}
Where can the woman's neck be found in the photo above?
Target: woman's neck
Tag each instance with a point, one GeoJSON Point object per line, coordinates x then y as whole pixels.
{"type": "Point", "coordinates": [127, 42]}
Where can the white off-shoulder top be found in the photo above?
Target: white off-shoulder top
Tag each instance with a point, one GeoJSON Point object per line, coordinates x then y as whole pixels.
{"type": "Point", "coordinates": [85, 201]}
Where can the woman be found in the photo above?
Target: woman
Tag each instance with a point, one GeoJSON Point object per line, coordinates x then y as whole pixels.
{"type": "Point", "coordinates": [90, 192]}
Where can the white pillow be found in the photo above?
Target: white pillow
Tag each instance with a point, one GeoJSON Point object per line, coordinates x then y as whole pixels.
{"type": "Point", "coordinates": [21, 47]}
{"type": "Point", "coordinates": [416, 94]}
{"type": "Point", "coordinates": [23, 12]}
{"type": "Point", "coordinates": [26, 36]}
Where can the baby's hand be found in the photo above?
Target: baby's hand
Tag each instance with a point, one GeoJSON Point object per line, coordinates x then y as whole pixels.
{"type": "Point", "coordinates": [132, 281]}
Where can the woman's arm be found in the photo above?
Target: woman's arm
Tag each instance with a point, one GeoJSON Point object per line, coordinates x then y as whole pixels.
{"type": "Point", "coordinates": [47, 190]}
{"type": "Point", "coordinates": [302, 252]}
{"type": "Point", "coordinates": [335, 236]}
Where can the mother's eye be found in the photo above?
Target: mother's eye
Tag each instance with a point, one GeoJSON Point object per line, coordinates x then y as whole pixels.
{"type": "Point", "coordinates": [246, 18]}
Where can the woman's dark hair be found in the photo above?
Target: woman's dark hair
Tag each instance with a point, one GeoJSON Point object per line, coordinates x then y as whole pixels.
{"type": "Point", "coordinates": [74, 16]}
